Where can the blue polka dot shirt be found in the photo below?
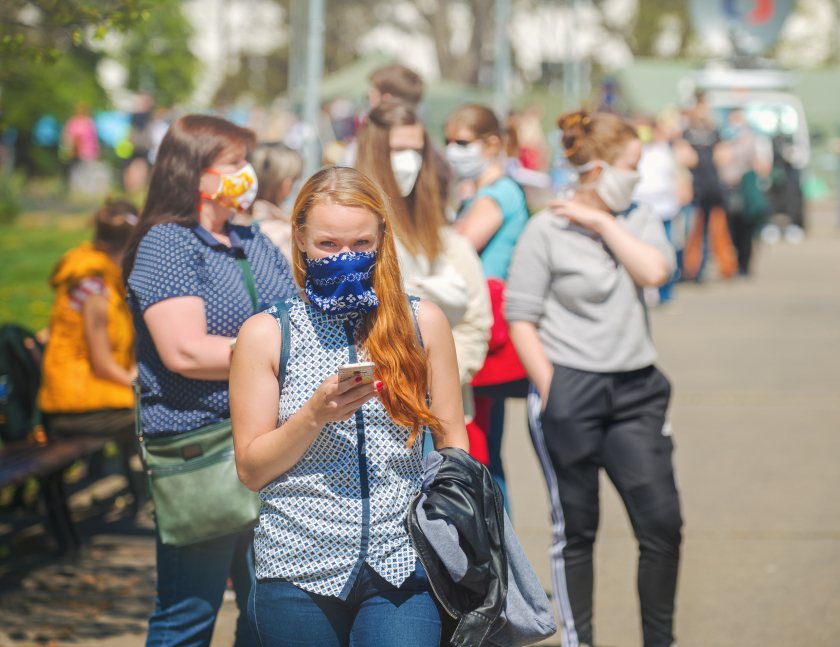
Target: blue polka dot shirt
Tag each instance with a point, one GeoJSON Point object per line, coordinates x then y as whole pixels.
{"type": "Point", "coordinates": [177, 261]}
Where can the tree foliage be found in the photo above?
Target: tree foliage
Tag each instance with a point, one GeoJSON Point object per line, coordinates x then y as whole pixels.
{"type": "Point", "coordinates": [156, 54]}
{"type": "Point", "coordinates": [51, 50]}
{"type": "Point", "coordinates": [462, 47]}
{"type": "Point", "coordinates": [455, 61]}
{"type": "Point", "coordinates": [650, 20]}
{"type": "Point", "coordinates": [263, 79]}
{"type": "Point", "coordinates": [45, 29]}
{"type": "Point", "coordinates": [37, 89]}
{"type": "Point", "coordinates": [46, 62]}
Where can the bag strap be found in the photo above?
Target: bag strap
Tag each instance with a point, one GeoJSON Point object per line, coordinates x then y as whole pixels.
{"type": "Point", "coordinates": [239, 254]}
{"type": "Point", "coordinates": [248, 278]}
{"type": "Point", "coordinates": [281, 313]}
{"type": "Point", "coordinates": [138, 426]}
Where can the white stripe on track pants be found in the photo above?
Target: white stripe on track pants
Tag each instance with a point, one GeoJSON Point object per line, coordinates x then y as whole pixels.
{"type": "Point", "coordinates": [557, 564]}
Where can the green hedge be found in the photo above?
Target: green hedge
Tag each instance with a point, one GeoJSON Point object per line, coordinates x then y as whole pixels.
{"type": "Point", "coordinates": [29, 255]}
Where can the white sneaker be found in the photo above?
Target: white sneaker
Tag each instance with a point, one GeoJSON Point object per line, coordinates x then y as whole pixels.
{"type": "Point", "coordinates": [794, 234]}
{"type": "Point", "coordinates": [770, 234]}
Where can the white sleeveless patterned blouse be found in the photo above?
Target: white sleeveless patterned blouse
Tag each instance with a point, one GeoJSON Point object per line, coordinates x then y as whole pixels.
{"type": "Point", "coordinates": [344, 503]}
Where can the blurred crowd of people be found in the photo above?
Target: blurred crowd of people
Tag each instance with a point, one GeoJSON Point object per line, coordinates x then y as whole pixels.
{"type": "Point", "coordinates": [548, 305]}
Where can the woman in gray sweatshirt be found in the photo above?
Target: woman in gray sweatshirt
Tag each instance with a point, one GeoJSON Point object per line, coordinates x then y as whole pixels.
{"type": "Point", "coordinates": [580, 326]}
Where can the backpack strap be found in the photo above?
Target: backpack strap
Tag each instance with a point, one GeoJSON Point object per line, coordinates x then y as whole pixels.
{"type": "Point", "coordinates": [411, 301]}
{"type": "Point", "coordinates": [281, 313]}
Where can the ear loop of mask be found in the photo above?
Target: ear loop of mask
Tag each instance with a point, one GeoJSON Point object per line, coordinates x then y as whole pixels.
{"type": "Point", "coordinates": [585, 168]}
{"type": "Point", "coordinates": [211, 196]}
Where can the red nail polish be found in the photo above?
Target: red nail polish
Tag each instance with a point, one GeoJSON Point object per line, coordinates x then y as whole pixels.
{"type": "Point", "coordinates": [379, 385]}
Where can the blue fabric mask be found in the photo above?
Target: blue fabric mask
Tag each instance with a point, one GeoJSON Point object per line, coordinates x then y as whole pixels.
{"type": "Point", "coordinates": [342, 283]}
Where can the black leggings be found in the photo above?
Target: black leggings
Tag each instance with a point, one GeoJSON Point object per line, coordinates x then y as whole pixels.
{"type": "Point", "coordinates": [742, 228]}
{"type": "Point", "coordinates": [615, 421]}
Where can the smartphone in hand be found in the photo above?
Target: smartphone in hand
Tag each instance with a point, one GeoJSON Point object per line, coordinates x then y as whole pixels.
{"type": "Point", "coordinates": [360, 369]}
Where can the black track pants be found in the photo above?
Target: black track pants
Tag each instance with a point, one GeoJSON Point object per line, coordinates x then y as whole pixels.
{"type": "Point", "coordinates": [615, 421]}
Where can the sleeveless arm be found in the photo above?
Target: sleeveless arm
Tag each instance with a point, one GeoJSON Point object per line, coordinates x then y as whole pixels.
{"type": "Point", "coordinates": [264, 449]}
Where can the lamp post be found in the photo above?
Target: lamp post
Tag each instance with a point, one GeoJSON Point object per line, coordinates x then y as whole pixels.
{"type": "Point", "coordinates": [312, 86]}
{"type": "Point", "coordinates": [571, 66]}
{"type": "Point", "coordinates": [502, 62]}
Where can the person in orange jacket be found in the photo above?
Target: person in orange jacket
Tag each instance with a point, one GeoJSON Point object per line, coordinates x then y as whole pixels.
{"type": "Point", "coordinates": [89, 364]}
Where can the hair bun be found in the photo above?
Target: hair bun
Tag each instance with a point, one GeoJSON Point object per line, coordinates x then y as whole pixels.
{"type": "Point", "coordinates": [575, 126]}
{"type": "Point", "coordinates": [572, 119]}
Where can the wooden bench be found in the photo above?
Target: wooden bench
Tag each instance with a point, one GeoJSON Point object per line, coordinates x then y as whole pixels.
{"type": "Point", "coordinates": [20, 461]}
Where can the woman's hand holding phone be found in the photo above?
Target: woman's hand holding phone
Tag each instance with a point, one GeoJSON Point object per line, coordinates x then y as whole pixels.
{"type": "Point", "coordinates": [338, 399]}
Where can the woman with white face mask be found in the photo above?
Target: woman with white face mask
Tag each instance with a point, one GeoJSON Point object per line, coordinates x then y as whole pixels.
{"type": "Point", "coordinates": [492, 217]}
{"type": "Point", "coordinates": [580, 326]}
{"type": "Point", "coordinates": [437, 264]}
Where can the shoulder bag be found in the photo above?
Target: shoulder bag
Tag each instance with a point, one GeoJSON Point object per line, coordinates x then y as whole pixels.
{"type": "Point", "coordinates": [192, 478]}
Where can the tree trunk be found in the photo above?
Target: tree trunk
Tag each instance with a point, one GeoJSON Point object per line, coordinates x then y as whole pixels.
{"type": "Point", "coordinates": [460, 67]}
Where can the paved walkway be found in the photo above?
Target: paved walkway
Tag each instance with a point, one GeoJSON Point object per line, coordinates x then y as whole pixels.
{"type": "Point", "coordinates": [756, 413]}
{"type": "Point", "coordinates": [755, 366]}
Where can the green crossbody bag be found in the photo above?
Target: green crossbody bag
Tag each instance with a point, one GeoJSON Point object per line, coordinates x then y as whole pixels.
{"type": "Point", "coordinates": [192, 478]}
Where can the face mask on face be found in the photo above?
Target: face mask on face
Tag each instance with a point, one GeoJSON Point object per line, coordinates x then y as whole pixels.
{"type": "Point", "coordinates": [342, 283]}
{"type": "Point", "coordinates": [614, 186]}
{"type": "Point", "coordinates": [406, 167]}
{"type": "Point", "coordinates": [236, 190]}
{"type": "Point", "coordinates": [466, 161]}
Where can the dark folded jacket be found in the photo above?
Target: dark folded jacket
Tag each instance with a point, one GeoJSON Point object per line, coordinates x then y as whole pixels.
{"type": "Point", "coordinates": [475, 565]}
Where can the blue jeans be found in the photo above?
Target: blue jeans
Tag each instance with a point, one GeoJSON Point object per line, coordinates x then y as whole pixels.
{"type": "Point", "coordinates": [191, 581]}
{"type": "Point", "coordinates": [375, 613]}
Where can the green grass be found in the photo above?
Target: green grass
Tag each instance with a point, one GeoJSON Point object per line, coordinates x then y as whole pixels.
{"type": "Point", "coordinates": [28, 253]}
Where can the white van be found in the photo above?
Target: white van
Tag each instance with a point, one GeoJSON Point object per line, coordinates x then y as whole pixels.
{"type": "Point", "coordinates": [764, 96]}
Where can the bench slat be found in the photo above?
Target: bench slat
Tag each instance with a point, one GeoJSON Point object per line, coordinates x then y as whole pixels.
{"type": "Point", "coordinates": [20, 461]}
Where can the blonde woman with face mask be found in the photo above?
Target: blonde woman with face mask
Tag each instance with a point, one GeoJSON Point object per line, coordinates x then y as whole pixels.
{"type": "Point", "coordinates": [437, 263]}
{"type": "Point", "coordinates": [580, 326]}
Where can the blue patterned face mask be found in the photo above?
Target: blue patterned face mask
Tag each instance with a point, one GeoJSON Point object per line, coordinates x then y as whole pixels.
{"type": "Point", "coordinates": [342, 283]}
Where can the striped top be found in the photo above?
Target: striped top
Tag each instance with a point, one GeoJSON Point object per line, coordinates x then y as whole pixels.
{"type": "Point", "coordinates": [344, 503]}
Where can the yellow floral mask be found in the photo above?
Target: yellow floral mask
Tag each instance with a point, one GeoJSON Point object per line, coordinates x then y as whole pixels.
{"type": "Point", "coordinates": [236, 190]}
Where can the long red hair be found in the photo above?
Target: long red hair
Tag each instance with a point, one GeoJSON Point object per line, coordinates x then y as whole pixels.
{"type": "Point", "coordinates": [388, 331]}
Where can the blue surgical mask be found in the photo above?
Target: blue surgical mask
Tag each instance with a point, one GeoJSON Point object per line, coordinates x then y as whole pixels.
{"type": "Point", "coordinates": [342, 283]}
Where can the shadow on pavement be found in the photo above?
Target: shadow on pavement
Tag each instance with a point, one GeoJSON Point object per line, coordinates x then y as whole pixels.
{"type": "Point", "coordinates": [104, 590]}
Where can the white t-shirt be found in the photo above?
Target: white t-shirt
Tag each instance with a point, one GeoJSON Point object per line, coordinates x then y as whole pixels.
{"type": "Point", "coordinates": [658, 185]}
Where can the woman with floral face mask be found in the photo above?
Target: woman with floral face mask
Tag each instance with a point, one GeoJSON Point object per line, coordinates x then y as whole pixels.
{"type": "Point", "coordinates": [580, 326]}
{"type": "Point", "coordinates": [338, 467]}
{"type": "Point", "coordinates": [437, 263]}
{"type": "Point", "coordinates": [492, 217]}
{"type": "Point", "coordinates": [193, 279]}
